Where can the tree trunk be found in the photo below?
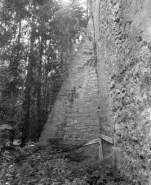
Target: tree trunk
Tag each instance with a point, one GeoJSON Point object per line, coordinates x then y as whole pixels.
{"type": "Point", "coordinates": [39, 121]}
{"type": "Point", "coordinates": [28, 86]}
{"type": "Point", "coordinates": [11, 89]}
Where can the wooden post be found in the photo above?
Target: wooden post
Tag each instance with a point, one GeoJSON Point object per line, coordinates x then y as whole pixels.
{"type": "Point", "coordinates": [106, 138]}
{"type": "Point", "coordinates": [100, 147]}
{"type": "Point", "coordinates": [99, 140]}
{"type": "Point", "coordinates": [100, 150]}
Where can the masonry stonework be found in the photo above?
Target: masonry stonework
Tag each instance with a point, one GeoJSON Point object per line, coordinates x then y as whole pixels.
{"type": "Point", "coordinates": [74, 115]}
{"type": "Point", "coordinates": [123, 42]}
{"type": "Point", "coordinates": [116, 101]}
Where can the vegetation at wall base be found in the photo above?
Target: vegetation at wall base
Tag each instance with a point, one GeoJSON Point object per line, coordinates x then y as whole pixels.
{"type": "Point", "coordinates": [36, 165]}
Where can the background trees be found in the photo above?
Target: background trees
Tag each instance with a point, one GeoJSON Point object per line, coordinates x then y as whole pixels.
{"type": "Point", "coordinates": [37, 38]}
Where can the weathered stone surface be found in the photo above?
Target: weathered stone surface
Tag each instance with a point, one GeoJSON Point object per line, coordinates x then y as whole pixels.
{"type": "Point", "coordinates": [75, 110]}
{"type": "Point", "coordinates": [117, 100]}
{"type": "Point", "coordinates": [117, 156]}
{"type": "Point", "coordinates": [123, 49]}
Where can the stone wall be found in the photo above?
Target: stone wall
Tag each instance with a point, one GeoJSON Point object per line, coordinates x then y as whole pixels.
{"type": "Point", "coordinates": [74, 116]}
{"type": "Point", "coordinates": [123, 42]}
{"type": "Point", "coordinates": [117, 100]}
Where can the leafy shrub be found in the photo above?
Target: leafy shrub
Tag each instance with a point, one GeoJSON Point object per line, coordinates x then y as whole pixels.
{"type": "Point", "coordinates": [33, 165]}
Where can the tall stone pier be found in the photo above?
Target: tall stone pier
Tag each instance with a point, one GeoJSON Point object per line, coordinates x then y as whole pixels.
{"type": "Point", "coordinates": [74, 117]}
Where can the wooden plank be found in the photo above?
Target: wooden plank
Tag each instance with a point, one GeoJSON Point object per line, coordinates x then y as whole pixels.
{"type": "Point", "coordinates": [107, 138]}
{"type": "Point", "coordinates": [92, 142]}
{"type": "Point", "coordinates": [100, 147]}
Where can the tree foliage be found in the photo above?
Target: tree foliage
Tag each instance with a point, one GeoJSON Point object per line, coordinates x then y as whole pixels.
{"type": "Point", "coordinates": [33, 165]}
{"type": "Point", "coordinates": [37, 39]}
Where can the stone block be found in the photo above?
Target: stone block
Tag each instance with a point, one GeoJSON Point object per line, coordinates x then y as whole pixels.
{"type": "Point", "coordinates": [69, 121]}
{"type": "Point", "coordinates": [117, 156]}
{"type": "Point", "coordinates": [75, 121]}
{"type": "Point", "coordinates": [66, 129]}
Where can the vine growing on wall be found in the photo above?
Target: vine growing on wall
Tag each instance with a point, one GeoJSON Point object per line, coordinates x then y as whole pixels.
{"type": "Point", "coordinates": [131, 104]}
{"type": "Point", "coordinates": [72, 95]}
{"type": "Point", "coordinates": [128, 69]}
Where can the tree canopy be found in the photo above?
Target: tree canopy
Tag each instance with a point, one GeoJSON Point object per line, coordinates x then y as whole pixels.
{"type": "Point", "coordinates": [37, 39]}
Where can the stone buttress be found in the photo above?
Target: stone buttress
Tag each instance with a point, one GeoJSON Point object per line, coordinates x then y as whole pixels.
{"type": "Point", "coordinates": [74, 115]}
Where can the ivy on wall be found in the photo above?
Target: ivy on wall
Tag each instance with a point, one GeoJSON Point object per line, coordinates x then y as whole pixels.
{"type": "Point", "coordinates": [72, 95]}
{"type": "Point", "coordinates": [127, 58]}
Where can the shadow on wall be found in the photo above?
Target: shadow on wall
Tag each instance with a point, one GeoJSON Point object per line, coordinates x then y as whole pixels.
{"type": "Point", "coordinates": [72, 95]}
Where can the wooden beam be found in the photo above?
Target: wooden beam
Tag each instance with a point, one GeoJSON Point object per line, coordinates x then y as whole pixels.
{"type": "Point", "coordinates": [107, 138]}
{"type": "Point", "coordinates": [100, 147]}
{"type": "Point", "coordinates": [92, 142]}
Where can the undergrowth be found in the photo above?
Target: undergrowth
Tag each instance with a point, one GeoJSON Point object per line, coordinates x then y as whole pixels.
{"type": "Point", "coordinates": [33, 165]}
